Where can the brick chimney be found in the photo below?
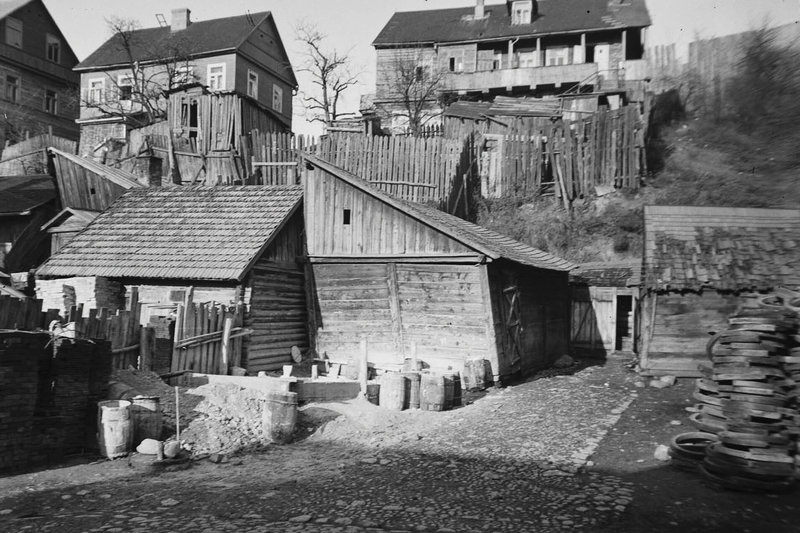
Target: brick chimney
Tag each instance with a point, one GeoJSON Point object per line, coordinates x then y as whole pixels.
{"type": "Point", "coordinates": [480, 12]}
{"type": "Point", "coordinates": [180, 19]}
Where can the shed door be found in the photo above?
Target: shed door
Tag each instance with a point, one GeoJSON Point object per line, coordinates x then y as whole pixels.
{"type": "Point", "coordinates": [593, 319]}
{"type": "Point", "coordinates": [604, 302]}
{"type": "Point", "coordinates": [491, 166]}
{"type": "Point", "coordinates": [512, 322]}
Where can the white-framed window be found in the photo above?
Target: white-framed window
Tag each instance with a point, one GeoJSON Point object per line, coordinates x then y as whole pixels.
{"type": "Point", "coordinates": [53, 48]}
{"type": "Point", "coordinates": [252, 84]}
{"type": "Point", "coordinates": [51, 101]}
{"type": "Point", "coordinates": [216, 77]}
{"type": "Point", "coordinates": [277, 99]}
{"type": "Point", "coordinates": [125, 86]}
{"type": "Point", "coordinates": [96, 91]}
{"type": "Point", "coordinates": [183, 75]}
{"type": "Point", "coordinates": [521, 12]}
{"type": "Point", "coordinates": [528, 59]}
{"type": "Point", "coordinates": [12, 88]}
{"type": "Point", "coordinates": [557, 56]}
{"type": "Point", "coordinates": [14, 32]}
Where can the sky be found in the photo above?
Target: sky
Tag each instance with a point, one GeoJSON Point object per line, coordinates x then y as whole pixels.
{"type": "Point", "coordinates": [352, 25]}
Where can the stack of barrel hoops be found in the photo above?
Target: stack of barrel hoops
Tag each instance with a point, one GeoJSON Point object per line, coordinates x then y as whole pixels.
{"type": "Point", "coordinates": [748, 415]}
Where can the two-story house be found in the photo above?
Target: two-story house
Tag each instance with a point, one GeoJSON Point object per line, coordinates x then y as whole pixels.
{"type": "Point", "coordinates": [518, 48]}
{"type": "Point", "coordinates": [126, 82]}
{"type": "Point", "coordinates": [38, 89]}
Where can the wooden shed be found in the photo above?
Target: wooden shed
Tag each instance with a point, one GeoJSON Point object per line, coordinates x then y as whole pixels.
{"type": "Point", "coordinates": [700, 265]}
{"type": "Point", "coordinates": [26, 202]}
{"type": "Point", "coordinates": [414, 281]}
{"type": "Point", "coordinates": [605, 298]}
{"type": "Point", "coordinates": [229, 243]}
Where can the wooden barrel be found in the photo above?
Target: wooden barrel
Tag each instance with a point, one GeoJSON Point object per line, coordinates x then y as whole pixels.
{"type": "Point", "coordinates": [432, 392]}
{"type": "Point", "coordinates": [393, 391]}
{"type": "Point", "coordinates": [114, 431]}
{"type": "Point", "coordinates": [146, 418]}
{"type": "Point", "coordinates": [474, 374]}
{"type": "Point", "coordinates": [373, 393]}
{"type": "Point", "coordinates": [412, 390]}
{"type": "Point", "coordinates": [280, 416]}
{"type": "Point", "coordinates": [452, 390]}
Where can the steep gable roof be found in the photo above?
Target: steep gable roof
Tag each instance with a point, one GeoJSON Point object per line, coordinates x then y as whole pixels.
{"type": "Point", "coordinates": [115, 175]}
{"type": "Point", "coordinates": [9, 6]}
{"type": "Point", "coordinates": [20, 194]}
{"type": "Point", "coordinates": [201, 38]}
{"type": "Point", "coordinates": [554, 16]}
{"type": "Point", "coordinates": [724, 248]}
{"type": "Point", "coordinates": [483, 240]}
{"type": "Point", "coordinates": [203, 233]}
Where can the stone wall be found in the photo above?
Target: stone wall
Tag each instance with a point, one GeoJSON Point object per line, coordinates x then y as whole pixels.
{"type": "Point", "coordinates": [48, 397]}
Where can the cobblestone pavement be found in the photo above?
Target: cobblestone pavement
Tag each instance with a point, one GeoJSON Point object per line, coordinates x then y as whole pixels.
{"type": "Point", "coordinates": [514, 460]}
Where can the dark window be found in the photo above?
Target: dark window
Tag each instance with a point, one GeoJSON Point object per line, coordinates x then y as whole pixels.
{"type": "Point", "coordinates": [346, 217]}
{"type": "Point", "coordinates": [12, 88]}
{"type": "Point", "coordinates": [418, 73]}
{"type": "Point", "coordinates": [452, 65]}
{"type": "Point", "coordinates": [50, 101]}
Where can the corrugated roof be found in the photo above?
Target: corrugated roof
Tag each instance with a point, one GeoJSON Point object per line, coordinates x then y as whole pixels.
{"type": "Point", "coordinates": [197, 233]}
{"type": "Point", "coordinates": [480, 239]}
{"type": "Point", "coordinates": [554, 16]}
{"type": "Point", "coordinates": [20, 194]}
{"type": "Point", "coordinates": [608, 274]}
{"type": "Point", "coordinates": [116, 175]}
{"type": "Point", "coordinates": [691, 248]}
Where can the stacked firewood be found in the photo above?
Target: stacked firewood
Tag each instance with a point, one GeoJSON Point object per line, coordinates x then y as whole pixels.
{"type": "Point", "coordinates": [748, 398]}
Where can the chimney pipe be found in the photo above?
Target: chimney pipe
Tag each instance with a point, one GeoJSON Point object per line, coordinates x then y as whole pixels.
{"type": "Point", "coordinates": [180, 19]}
{"type": "Point", "coordinates": [479, 9]}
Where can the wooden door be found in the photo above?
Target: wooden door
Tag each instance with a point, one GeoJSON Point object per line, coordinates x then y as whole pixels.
{"type": "Point", "coordinates": [512, 322]}
{"type": "Point", "coordinates": [602, 56]}
{"type": "Point", "coordinates": [604, 302]}
{"type": "Point", "coordinates": [593, 321]}
{"type": "Point", "coordinates": [491, 166]}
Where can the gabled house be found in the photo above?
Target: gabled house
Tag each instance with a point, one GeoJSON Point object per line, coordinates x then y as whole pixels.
{"type": "Point", "coordinates": [517, 48]}
{"type": "Point", "coordinates": [230, 244]}
{"type": "Point", "coordinates": [38, 89]}
{"type": "Point", "coordinates": [701, 264]}
{"type": "Point", "coordinates": [415, 282]}
{"type": "Point", "coordinates": [26, 202]}
{"type": "Point", "coordinates": [125, 82]}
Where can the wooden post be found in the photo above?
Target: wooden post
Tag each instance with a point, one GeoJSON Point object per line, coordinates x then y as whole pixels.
{"type": "Point", "coordinates": [177, 415]}
{"type": "Point", "coordinates": [226, 345]}
{"type": "Point", "coordinates": [363, 368]}
{"type": "Point", "coordinates": [146, 348]}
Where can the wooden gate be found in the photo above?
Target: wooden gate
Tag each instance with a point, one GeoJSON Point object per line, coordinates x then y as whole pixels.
{"type": "Point", "coordinates": [208, 337]}
{"type": "Point", "coordinates": [594, 319]}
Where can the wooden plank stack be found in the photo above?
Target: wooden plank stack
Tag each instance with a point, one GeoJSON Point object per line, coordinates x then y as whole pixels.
{"type": "Point", "coordinates": [748, 397]}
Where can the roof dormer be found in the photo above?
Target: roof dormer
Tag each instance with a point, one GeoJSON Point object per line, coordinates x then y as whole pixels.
{"type": "Point", "coordinates": [522, 11]}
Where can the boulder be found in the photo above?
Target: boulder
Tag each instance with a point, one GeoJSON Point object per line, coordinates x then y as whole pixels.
{"type": "Point", "coordinates": [148, 447]}
{"type": "Point", "coordinates": [172, 449]}
{"type": "Point", "coordinates": [565, 361]}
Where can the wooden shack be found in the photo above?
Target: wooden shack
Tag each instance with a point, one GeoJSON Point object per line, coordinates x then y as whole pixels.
{"type": "Point", "coordinates": [700, 265]}
{"type": "Point", "coordinates": [413, 281]}
{"type": "Point", "coordinates": [26, 202]}
{"type": "Point", "coordinates": [230, 244]}
{"type": "Point", "coordinates": [605, 300]}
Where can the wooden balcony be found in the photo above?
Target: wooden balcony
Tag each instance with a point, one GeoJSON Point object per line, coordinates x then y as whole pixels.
{"type": "Point", "coordinates": [519, 77]}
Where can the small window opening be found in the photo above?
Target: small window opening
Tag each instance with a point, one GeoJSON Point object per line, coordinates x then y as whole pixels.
{"type": "Point", "coordinates": [92, 191]}
{"type": "Point", "coordinates": [346, 217]}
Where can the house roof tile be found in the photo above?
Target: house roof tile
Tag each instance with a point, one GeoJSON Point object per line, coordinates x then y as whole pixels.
{"type": "Point", "coordinates": [608, 274]}
{"type": "Point", "coordinates": [205, 233]}
{"type": "Point", "coordinates": [691, 248]}
{"type": "Point", "coordinates": [554, 16]}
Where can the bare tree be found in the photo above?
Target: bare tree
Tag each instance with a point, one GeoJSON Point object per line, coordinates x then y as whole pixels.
{"type": "Point", "coordinates": [330, 72]}
{"type": "Point", "coordinates": [418, 83]}
{"type": "Point", "coordinates": [137, 91]}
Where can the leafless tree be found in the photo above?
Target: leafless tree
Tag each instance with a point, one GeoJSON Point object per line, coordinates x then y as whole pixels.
{"type": "Point", "coordinates": [330, 72]}
{"type": "Point", "coordinates": [418, 83]}
{"type": "Point", "coordinates": [137, 92]}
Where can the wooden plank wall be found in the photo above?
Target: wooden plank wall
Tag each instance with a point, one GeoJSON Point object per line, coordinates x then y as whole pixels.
{"type": "Point", "coordinates": [30, 156]}
{"type": "Point", "coordinates": [442, 313]}
{"type": "Point", "coordinates": [205, 319]}
{"type": "Point", "coordinates": [81, 189]}
{"type": "Point", "coordinates": [374, 228]}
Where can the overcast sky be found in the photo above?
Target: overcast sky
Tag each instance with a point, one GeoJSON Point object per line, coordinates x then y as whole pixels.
{"type": "Point", "coordinates": [351, 25]}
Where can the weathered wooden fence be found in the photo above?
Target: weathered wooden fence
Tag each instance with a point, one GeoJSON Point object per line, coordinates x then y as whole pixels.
{"type": "Point", "coordinates": [131, 345]}
{"type": "Point", "coordinates": [208, 337]}
{"type": "Point", "coordinates": [30, 156]}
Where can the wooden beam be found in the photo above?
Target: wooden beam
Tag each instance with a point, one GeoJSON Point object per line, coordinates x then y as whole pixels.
{"type": "Point", "coordinates": [491, 339]}
{"type": "Point", "coordinates": [400, 258]}
{"type": "Point", "coordinates": [394, 308]}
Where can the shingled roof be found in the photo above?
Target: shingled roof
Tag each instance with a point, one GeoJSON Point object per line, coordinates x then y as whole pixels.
{"type": "Point", "coordinates": [554, 16]}
{"type": "Point", "coordinates": [196, 233]}
{"type": "Point", "coordinates": [20, 194]}
{"type": "Point", "coordinates": [200, 38]}
{"type": "Point", "coordinates": [692, 248]}
{"type": "Point", "coordinates": [608, 274]}
{"type": "Point", "coordinates": [485, 241]}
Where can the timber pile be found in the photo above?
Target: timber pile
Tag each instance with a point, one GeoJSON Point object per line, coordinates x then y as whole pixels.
{"type": "Point", "coordinates": [749, 399]}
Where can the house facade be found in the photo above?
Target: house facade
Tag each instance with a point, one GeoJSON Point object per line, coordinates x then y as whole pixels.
{"type": "Point", "coordinates": [517, 48]}
{"type": "Point", "coordinates": [242, 55]}
{"type": "Point", "coordinates": [39, 90]}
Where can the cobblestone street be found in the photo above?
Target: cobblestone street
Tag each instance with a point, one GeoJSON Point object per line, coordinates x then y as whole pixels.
{"type": "Point", "coordinates": [516, 459]}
